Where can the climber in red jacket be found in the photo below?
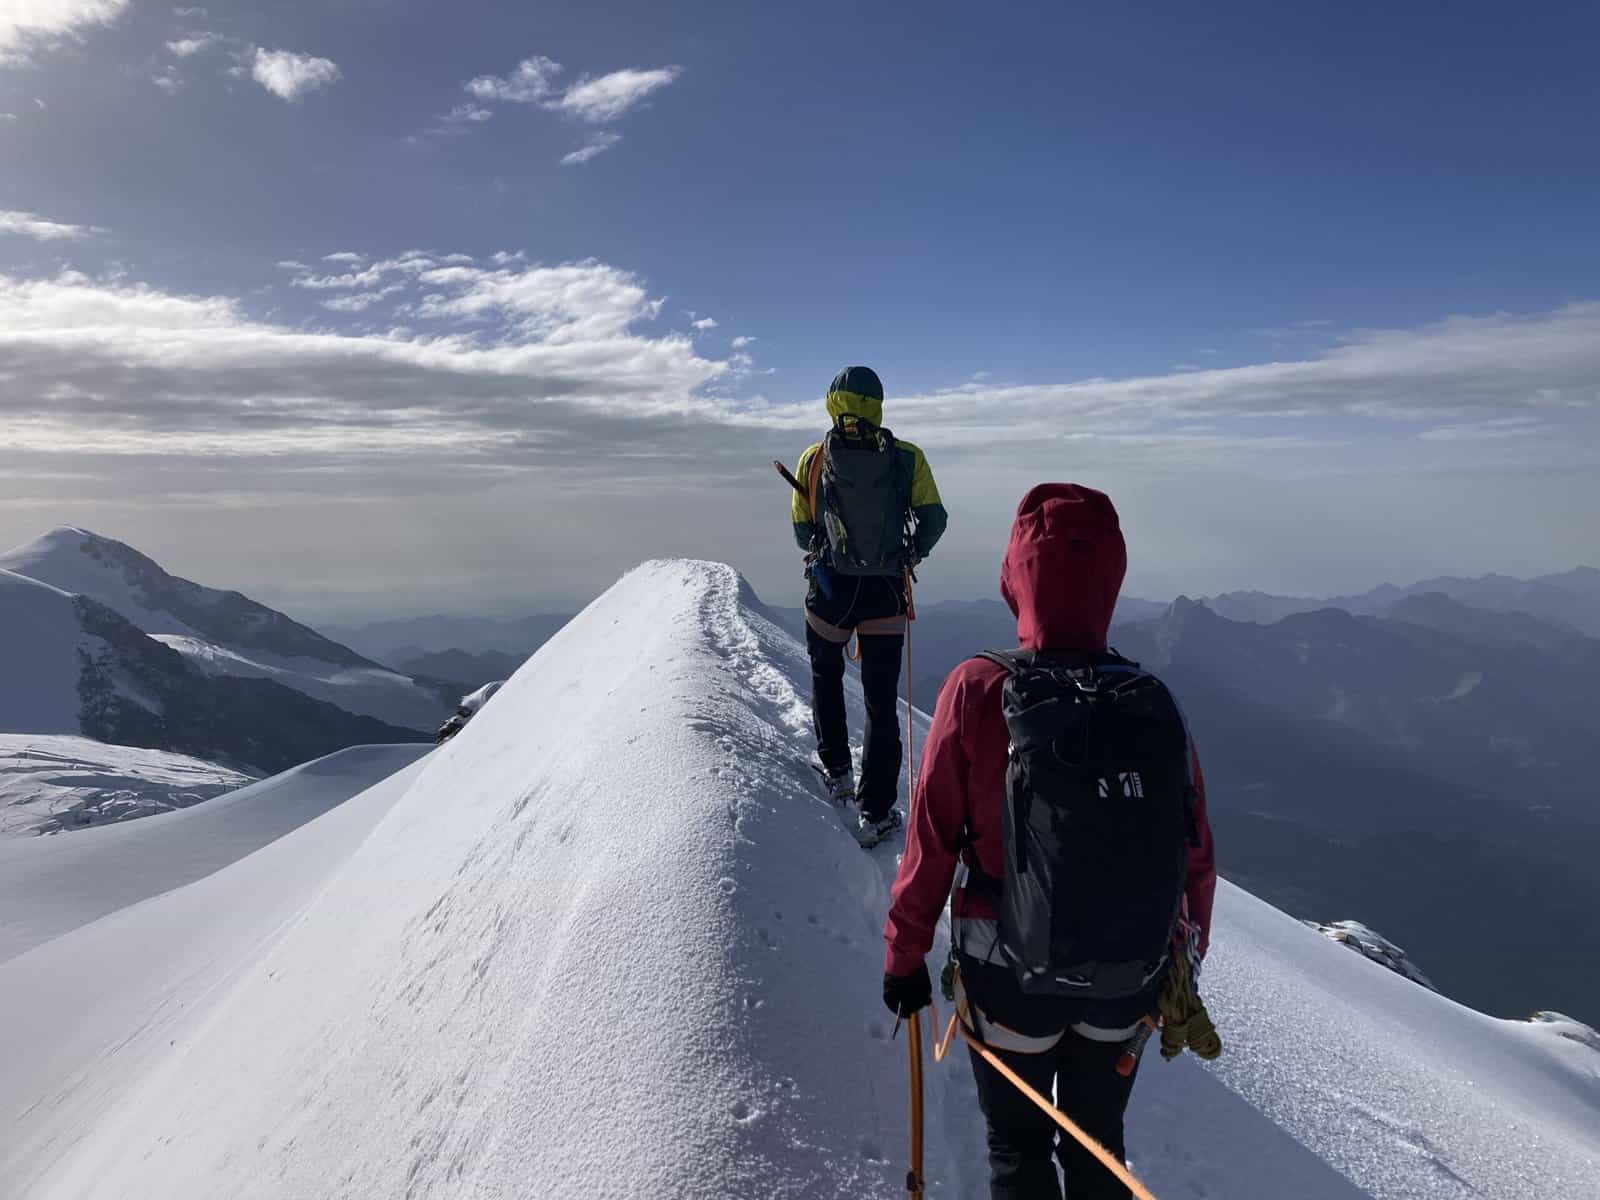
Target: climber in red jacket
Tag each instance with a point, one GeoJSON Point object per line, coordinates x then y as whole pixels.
{"type": "Point", "coordinates": [1062, 572]}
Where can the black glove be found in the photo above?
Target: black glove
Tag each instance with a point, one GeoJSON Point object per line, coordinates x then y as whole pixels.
{"type": "Point", "coordinates": [905, 994]}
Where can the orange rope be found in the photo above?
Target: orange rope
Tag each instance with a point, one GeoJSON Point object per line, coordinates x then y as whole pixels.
{"type": "Point", "coordinates": [1105, 1157]}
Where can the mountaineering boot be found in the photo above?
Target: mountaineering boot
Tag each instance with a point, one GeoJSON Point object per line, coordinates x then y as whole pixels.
{"type": "Point", "coordinates": [840, 786]}
{"type": "Point", "coordinates": [872, 830]}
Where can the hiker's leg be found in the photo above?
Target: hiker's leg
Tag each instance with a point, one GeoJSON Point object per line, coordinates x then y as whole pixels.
{"type": "Point", "coordinates": [1021, 1138]}
{"type": "Point", "coordinates": [827, 700]}
{"type": "Point", "coordinates": [880, 684]}
{"type": "Point", "coordinates": [1089, 1090]}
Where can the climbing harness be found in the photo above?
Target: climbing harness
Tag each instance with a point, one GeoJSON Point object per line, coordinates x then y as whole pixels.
{"type": "Point", "coordinates": [1068, 1126]}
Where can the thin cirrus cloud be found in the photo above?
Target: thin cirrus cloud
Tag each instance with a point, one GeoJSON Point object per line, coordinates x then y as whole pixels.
{"type": "Point", "coordinates": [536, 80]}
{"type": "Point", "coordinates": [290, 75]}
{"type": "Point", "coordinates": [595, 146]}
{"type": "Point", "coordinates": [28, 225]}
{"type": "Point", "coordinates": [192, 44]}
{"type": "Point", "coordinates": [30, 26]}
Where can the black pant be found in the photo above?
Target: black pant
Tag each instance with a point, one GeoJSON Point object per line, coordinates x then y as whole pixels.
{"type": "Point", "coordinates": [848, 602]}
{"type": "Point", "coordinates": [1022, 1138]}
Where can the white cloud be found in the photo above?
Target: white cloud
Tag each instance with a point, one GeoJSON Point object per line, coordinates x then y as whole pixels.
{"type": "Point", "coordinates": [1473, 431]}
{"type": "Point", "coordinates": [608, 97]}
{"type": "Point", "coordinates": [741, 342]}
{"type": "Point", "coordinates": [705, 323]}
{"type": "Point", "coordinates": [343, 256]}
{"type": "Point", "coordinates": [461, 118]}
{"type": "Point", "coordinates": [40, 230]}
{"type": "Point", "coordinates": [192, 44]}
{"type": "Point", "coordinates": [532, 82]}
{"type": "Point", "coordinates": [291, 76]}
{"type": "Point", "coordinates": [597, 100]}
{"type": "Point", "coordinates": [359, 301]}
{"type": "Point", "coordinates": [525, 357]}
{"type": "Point", "coordinates": [1473, 366]}
{"type": "Point", "coordinates": [595, 146]}
{"type": "Point", "coordinates": [5, 116]}
{"type": "Point", "coordinates": [520, 359]}
{"type": "Point", "coordinates": [168, 80]}
{"type": "Point", "coordinates": [30, 25]}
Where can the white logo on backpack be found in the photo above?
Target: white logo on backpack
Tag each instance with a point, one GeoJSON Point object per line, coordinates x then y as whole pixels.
{"type": "Point", "coordinates": [1129, 786]}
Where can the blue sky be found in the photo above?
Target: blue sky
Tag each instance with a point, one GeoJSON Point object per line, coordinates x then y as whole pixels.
{"type": "Point", "coordinates": [1293, 283]}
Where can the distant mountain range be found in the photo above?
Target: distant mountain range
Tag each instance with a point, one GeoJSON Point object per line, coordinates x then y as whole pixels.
{"type": "Point", "coordinates": [97, 639]}
{"type": "Point", "coordinates": [1394, 767]}
{"type": "Point", "coordinates": [1570, 599]}
{"type": "Point", "coordinates": [398, 641]}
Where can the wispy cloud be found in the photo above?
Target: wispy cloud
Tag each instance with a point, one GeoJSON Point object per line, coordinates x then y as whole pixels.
{"type": "Point", "coordinates": [192, 44]}
{"type": "Point", "coordinates": [1490, 430]}
{"type": "Point", "coordinates": [608, 97]}
{"type": "Point", "coordinates": [532, 82]}
{"type": "Point", "coordinates": [292, 76]}
{"type": "Point", "coordinates": [742, 342]}
{"type": "Point", "coordinates": [594, 147]}
{"type": "Point", "coordinates": [29, 26]}
{"type": "Point", "coordinates": [595, 100]}
{"type": "Point", "coordinates": [1476, 367]}
{"type": "Point", "coordinates": [28, 225]}
{"type": "Point", "coordinates": [705, 324]}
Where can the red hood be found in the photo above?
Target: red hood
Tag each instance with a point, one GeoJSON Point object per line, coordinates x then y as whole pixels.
{"type": "Point", "coordinates": [1064, 567]}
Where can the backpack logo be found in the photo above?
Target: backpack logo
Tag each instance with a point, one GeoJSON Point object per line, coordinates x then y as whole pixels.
{"type": "Point", "coordinates": [1127, 785]}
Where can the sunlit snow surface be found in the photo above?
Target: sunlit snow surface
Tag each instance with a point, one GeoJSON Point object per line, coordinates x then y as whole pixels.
{"type": "Point", "coordinates": [609, 942]}
{"type": "Point", "coordinates": [53, 885]}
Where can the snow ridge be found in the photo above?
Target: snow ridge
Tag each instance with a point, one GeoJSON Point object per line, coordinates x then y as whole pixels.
{"type": "Point", "coordinates": [609, 941]}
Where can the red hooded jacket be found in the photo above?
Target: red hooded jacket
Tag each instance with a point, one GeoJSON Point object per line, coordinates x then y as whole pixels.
{"type": "Point", "coordinates": [1061, 575]}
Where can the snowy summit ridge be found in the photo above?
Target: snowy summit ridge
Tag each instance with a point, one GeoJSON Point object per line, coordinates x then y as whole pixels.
{"type": "Point", "coordinates": [221, 633]}
{"type": "Point", "coordinates": [609, 942]}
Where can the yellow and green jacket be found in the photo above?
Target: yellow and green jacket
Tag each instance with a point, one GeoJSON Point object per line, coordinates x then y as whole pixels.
{"type": "Point", "coordinates": [926, 506]}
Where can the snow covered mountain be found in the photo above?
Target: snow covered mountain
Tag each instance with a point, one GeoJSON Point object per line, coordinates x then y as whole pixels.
{"type": "Point", "coordinates": [71, 665]}
{"type": "Point", "coordinates": [223, 633]}
{"type": "Point", "coordinates": [1371, 944]}
{"type": "Point", "coordinates": [610, 942]}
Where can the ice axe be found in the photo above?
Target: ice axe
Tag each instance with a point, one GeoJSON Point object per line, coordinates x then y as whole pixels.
{"type": "Point", "coordinates": [790, 479]}
{"type": "Point", "coordinates": [914, 1046]}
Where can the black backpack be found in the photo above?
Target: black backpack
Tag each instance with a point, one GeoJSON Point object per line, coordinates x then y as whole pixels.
{"type": "Point", "coordinates": [863, 499]}
{"type": "Point", "coordinates": [1099, 813]}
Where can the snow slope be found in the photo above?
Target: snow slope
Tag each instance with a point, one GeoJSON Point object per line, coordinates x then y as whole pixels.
{"type": "Point", "coordinates": [609, 942]}
{"type": "Point", "coordinates": [49, 886]}
{"type": "Point", "coordinates": [40, 639]}
{"type": "Point", "coordinates": [223, 633]}
{"type": "Point", "coordinates": [52, 782]}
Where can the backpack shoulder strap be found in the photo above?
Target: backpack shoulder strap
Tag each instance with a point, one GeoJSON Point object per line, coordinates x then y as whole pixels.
{"type": "Point", "coordinates": [814, 482]}
{"type": "Point", "coordinates": [1014, 661]}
